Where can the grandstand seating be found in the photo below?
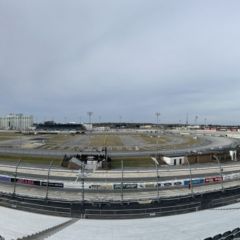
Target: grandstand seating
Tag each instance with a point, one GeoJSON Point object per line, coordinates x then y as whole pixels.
{"type": "Point", "coordinates": [17, 224]}
{"type": "Point", "coordinates": [228, 235]}
{"type": "Point", "coordinates": [214, 222]}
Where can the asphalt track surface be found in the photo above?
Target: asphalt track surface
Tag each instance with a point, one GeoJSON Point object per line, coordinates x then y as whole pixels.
{"type": "Point", "coordinates": [129, 175]}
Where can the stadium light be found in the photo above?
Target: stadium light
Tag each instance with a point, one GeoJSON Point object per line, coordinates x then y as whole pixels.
{"type": "Point", "coordinates": [157, 114]}
{"type": "Point", "coordinates": [89, 117]}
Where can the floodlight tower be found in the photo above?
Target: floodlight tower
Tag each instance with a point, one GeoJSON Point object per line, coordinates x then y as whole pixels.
{"type": "Point", "coordinates": [205, 122]}
{"type": "Point", "coordinates": [157, 114]}
{"type": "Point", "coordinates": [196, 119]}
{"type": "Point", "coordinates": [89, 117]}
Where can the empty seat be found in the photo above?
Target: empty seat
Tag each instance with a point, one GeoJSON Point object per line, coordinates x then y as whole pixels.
{"type": "Point", "coordinates": [216, 237]}
{"type": "Point", "coordinates": [229, 237]}
{"type": "Point", "coordinates": [236, 235]}
{"type": "Point", "coordinates": [226, 234]}
{"type": "Point", "coordinates": [236, 230]}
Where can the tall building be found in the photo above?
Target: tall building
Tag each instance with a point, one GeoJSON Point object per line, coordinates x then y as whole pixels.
{"type": "Point", "coordinates": [16, 122]}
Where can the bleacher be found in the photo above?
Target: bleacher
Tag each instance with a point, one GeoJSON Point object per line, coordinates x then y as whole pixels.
{"type": "Point", "coordinates": [15, 224]}
{"type": "Point", "coordinates": [207, 225]}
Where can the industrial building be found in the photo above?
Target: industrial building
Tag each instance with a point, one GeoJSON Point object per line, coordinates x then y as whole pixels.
{"type": "Point", "coordinates": [18, 122]}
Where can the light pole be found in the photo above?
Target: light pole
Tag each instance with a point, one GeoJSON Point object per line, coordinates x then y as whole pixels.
{"type": "Point", "coordinates": [89, 117]}
{"type": "Point", "coordinates": [157, 114]}
{"type": "Point", "coordinates": [205, 122]}
{"type": "Point", "coordinates": [195, 120]}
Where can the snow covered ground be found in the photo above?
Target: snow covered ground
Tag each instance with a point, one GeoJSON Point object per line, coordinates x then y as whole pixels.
{"type": "Point", "coordinates": [15, 223]}
{"type": "Point", "coordinates": [191, 226]}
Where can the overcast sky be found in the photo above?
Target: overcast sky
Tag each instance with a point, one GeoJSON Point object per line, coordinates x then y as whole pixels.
{"type": "Point", "coordinates": [123, 60]}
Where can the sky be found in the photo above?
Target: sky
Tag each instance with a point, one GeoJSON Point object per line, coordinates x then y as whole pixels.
{"type": "Point", "coordinates": [122, 60]}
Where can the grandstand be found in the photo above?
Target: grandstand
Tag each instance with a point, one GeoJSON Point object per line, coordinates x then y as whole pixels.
{"type": "Point", "coordinates": [190, 226]}
{"type": "Point", "coordinates": [17, 224]}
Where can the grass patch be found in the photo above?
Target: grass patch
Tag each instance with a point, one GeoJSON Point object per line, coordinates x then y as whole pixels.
{"type": "Point", "coordinates": [154, 139]}
{"type": "Point", "coordinates": [102, 140]}
{"type": "Point", "coordinates": [31, 159]}
{"type": "Point", "coordinates": [133, 162]}
{"type": "Point", "coordinates": [4, 136]}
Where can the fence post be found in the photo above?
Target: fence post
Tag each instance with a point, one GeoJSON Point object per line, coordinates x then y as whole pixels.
{"type": "Point", "coordinates": [157, 180]}
{"type": "Point", "coordinates": [15, 176]}
{"type": "Point", "coordinates": [82, 179]}
{"type": "Point", "coordinates": [190, 173]}
{"type": "Point", "coordinates": [48, 176]}
{"type": "Point", "coordinates": [220, 170]}
{"type": "Point", "coordinates": [122, 181]}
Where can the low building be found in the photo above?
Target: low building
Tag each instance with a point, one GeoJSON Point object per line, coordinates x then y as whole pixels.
{"type": "Point", "coordinates": [89, 162]}
{"type": "Point", "coordinates": [174, 160]}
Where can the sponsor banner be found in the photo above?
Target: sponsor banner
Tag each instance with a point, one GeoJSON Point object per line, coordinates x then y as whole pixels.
{"type": "Point", "coordinates": [213, 179]}
{"type": "Point", "coordinates": [5, 179]}
{"type": "Point", "coordinates": [125, 186]}
{"type": "Point", "coordinates": [197, 181]}
{"type": "Point", "coordinates": [52, 184]}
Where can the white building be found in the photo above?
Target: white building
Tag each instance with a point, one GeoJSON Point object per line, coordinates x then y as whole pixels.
{"type": "Point", "coordinates": [174, 160]}
{"type": "Point", "coordinates": [16, 122]}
